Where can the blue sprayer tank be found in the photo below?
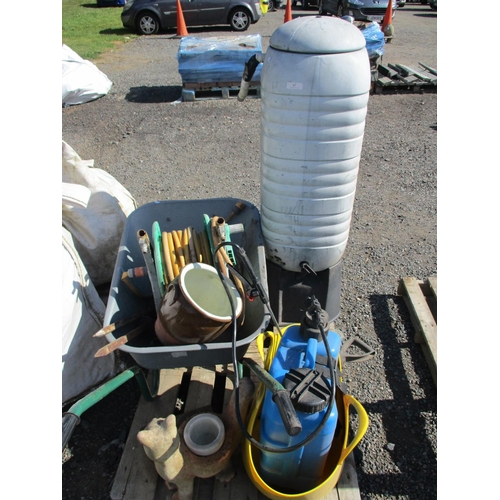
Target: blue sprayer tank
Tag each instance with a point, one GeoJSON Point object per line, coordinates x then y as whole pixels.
{"type": "Point", "coordinates": [301, 366]}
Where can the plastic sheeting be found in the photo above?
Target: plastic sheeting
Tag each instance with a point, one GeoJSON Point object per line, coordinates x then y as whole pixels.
{"type": "Point", "coordinates": [217, 59]}
{"type": "Point", "coordinates": [375, 40]}
{"type": "Point", "coordinates": [82, 81]}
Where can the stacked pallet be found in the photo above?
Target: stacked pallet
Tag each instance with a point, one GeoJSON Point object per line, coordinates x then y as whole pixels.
{"type": "Point", "coordinates": [213, 67]}
{"type": "Point", "coordinates": [400, 78]}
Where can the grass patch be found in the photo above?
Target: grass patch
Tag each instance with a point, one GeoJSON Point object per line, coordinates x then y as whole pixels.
{"type": "Point", "coordinates": [90, 30]}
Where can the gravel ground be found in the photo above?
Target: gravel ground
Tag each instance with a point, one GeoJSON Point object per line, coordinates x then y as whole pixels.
{"type": "Point", "coordinates": [162, 149]}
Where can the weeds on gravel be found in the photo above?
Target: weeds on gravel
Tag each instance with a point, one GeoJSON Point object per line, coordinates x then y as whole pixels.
{"type": "Point", "coordinates": [90, 30]}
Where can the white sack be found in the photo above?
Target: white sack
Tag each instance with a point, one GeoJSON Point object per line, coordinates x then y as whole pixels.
{"type": "Point", "coordinates": [82, 316]}
{"type": "Point", "coordinates": [82, 81]}
{"type": "Point", "coordinates": [96, 220]}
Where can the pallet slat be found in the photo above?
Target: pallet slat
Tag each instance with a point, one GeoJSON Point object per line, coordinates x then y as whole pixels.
{"type": "Point", "coordinates": [347, 487]}
{"type": "Point", "coordinates": [424, 321]}
{"type": "Point", "coordinates": [433, 283]}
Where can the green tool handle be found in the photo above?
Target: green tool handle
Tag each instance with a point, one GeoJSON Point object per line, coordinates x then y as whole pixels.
{"type": "Point", "coordinates": [158, 256]}
{"type": "Point", "coordinates": [281, 397]}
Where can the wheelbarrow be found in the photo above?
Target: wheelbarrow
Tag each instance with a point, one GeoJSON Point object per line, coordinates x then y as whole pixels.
{"type": "Point", "coordinates": [129, 299]}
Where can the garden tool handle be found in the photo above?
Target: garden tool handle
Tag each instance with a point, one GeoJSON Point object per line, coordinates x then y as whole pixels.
{"type": "Point", "coordinates": [281, 397]}
{"type": "Point", "coordinates": [362, 426]}
{"type": "Point", "coordinates": [288, 415]}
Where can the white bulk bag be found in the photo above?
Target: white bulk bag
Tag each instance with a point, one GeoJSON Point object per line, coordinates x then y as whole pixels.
{"type": "Point", "coordinates": [82, 81]}
{"type": "Point", "coordinates": [95, 208]}
{"type": "Point", "coordinates": [82, 316]}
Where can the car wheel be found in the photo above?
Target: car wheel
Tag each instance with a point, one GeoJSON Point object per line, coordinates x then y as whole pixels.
{"type": "Point", "coordinates": [305, 4]}
{"type": "Point", "coordinates": [239, 19]}
{"type": "Point", "coordinates": [147, 24]}
{"type": "Point", "coordinates": [270, 6]}
{"type": "Point", "coordinates": [340, 9]}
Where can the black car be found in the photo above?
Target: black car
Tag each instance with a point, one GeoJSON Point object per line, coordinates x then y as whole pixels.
{"type": "Point", "coordinates": [147, 17]}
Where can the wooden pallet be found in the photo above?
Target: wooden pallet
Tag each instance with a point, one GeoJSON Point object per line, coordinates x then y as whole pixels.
{"type": "Point", "coordinates": [136, 478]}
{"type": "Point", "coordinates": [421, 300]}
{"type": "Point", "coordinates": [395, 78]}
{"type": "Point", "coordinates": [216, 90]}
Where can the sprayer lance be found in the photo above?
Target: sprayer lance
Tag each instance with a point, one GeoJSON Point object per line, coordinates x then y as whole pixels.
{"type": "Point", "coordinates": [281, 397]}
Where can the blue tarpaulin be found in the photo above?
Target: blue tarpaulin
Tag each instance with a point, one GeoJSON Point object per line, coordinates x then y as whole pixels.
{"type": "Point", "coordinates": [217, 59]}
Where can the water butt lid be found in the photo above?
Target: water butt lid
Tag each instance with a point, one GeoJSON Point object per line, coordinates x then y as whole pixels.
{"type": "Point", "coordinates": [309, 390]}
{"type": "Point", "coordinates": [317, 35]}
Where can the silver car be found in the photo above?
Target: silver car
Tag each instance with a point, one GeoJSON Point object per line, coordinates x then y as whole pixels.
{"type": "Point", "coordinates": [147, 17]}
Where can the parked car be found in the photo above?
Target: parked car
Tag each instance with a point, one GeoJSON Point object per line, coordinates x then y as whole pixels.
{"type": "Point", "coordinates": [147, 17]}
{"type": "Point", "coordinates": [360, 10]}
{"type": "Point", "coordinates": [110, 3]}
{"type": "Point", "coordinates": [305, 3]}
{"type": "Point", "coordinates": [433, 4]}
{"type": "Point", "coordinates": [401, 3]}
{"type": "Point", "coordinates": [274, 5]}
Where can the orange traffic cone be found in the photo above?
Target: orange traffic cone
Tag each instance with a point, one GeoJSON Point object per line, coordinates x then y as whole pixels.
{"type": "Point", "coordinates": [181, 24]}
{"type": "Point", "coordinates": [288, 11]}
{"type": "Point", "coordinates": [387, 28]}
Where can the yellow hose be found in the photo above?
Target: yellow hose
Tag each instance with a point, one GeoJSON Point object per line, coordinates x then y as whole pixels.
{"type": "Point", "coordinates": [185, 246]}
{"type": "Point", "coordinates": [173, 257]}
{"type": "Point", "coordinates": [178, 249]}
{"type": "Point", "coordinates": [169, 270]}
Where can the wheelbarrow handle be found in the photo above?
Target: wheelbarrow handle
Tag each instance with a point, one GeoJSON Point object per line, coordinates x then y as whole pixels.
{"type": "Point", "coordinates": [69, 422]}
{"type": "Point", "coordinates": [71, 418]}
